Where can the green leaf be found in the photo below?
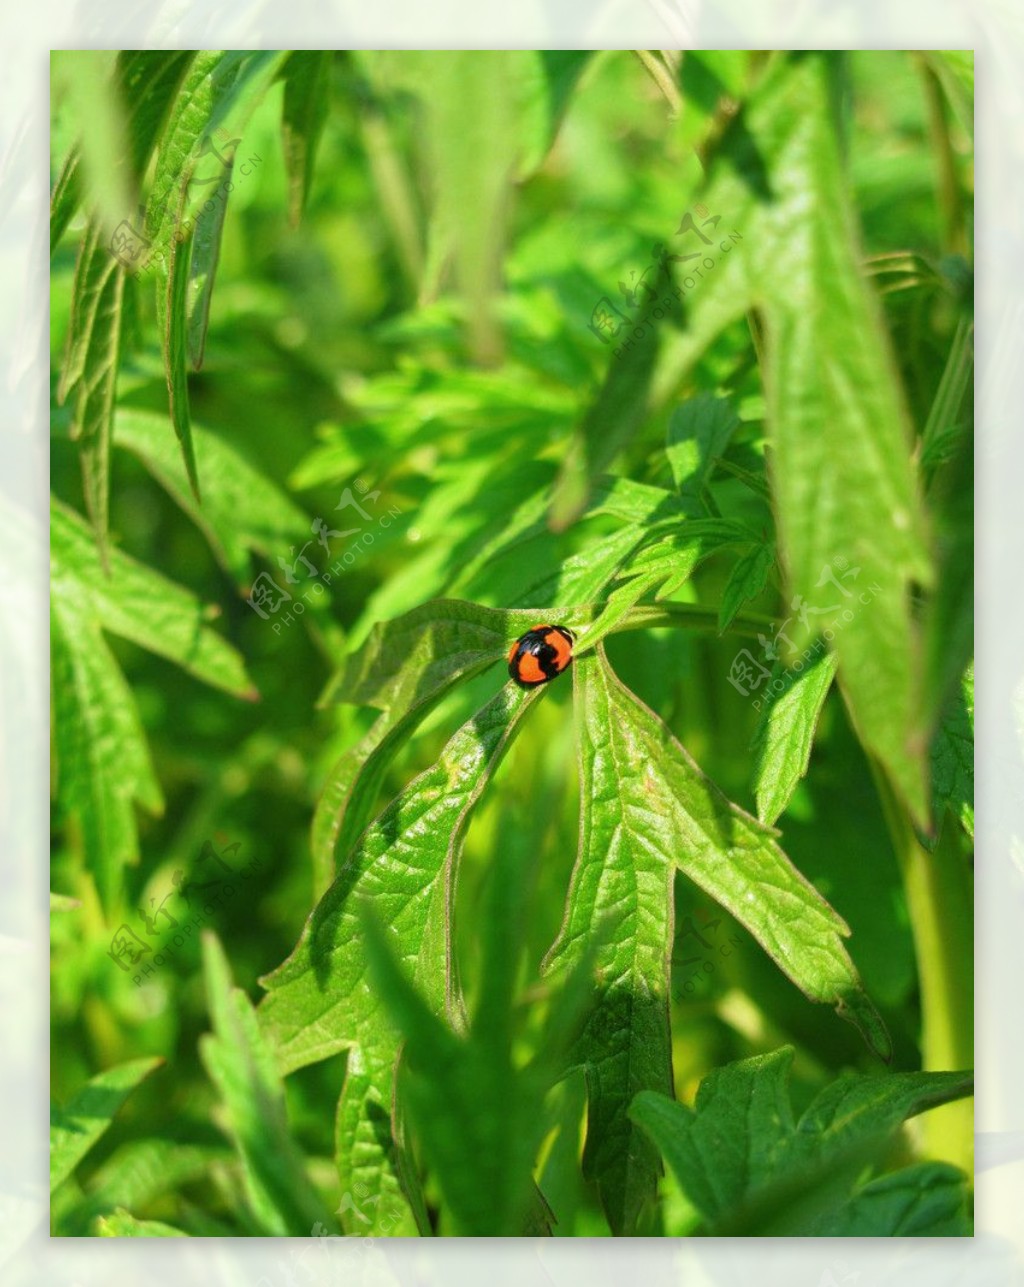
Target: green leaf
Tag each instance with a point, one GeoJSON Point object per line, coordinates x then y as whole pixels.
{"type": "Point", "coordinates": [665, 565]}
{"type": "Point", "coordinates": [698, 433]}
{"type": "Point", "coordinates": [89, 373]}
{"type": "Point", "coordinates": [146, 81]}
{"type": "Point", "coordinates": [219, 92]}
{"type": "Point", "coordinates": [242, 509]}
{"type": "Point", "coordinates": [241, 1066]}
{"type": "Point", "coordinates": [474, 1110]}
{"type": "Point", "coordinates": [929, 1200]}
{"type": "Point", "coordinates": [785, 732]}
{"type": "Point", "coordinates": [122, 1224]}
{"type": "Point", "coordinates": [612, 419]}
{"type": "Point", "coordinates": [405, 668]}
{"type": "Point", "coordinates": [202, 266]}
{"type": "Point", "coordinates": [62, 903]}
{"type": "Point", "coordinates": [219, 88]}
{"type": "Point", "coordinates": [646, 809]}
{"type": "Point", "coordinates": [955, 70]}
{"type": "Point", "coordinates": [138, 604]}
{"type": "Point", "coordinates": [621, 897]}
{"type": "Point", "coordinates": [75, 1128]}
{"type": "Point", "coordinates": [102, 766]}
{"type": "Point", "coordinates": [139, 1173]}
{"type": "Point", "coordinates": [947, 467]}
{"type": "Point", "coordinates": [318, 1002]}
{"type": "Point", "coordinates": [545, 81]}
{"type": "Point", "coordinates": [746, 581]}
{"type": "Point", "coordinates": [742, 1159]}
{"type": "Point", "coordinates": [307, 96]}
{"type": "Point", "coordinates": [953, 758]}
{"type": "Point", "coordinates": [172, 313]}
{"type": "Point", "coordinates": [65, 198]}
{"type": "Point", "coordinates": [838, 428]}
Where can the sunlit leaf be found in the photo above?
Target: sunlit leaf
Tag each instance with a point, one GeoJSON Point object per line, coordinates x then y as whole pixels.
{"type": "Point", "coordinates": [122, 1224]}
{"type": "Point", "coordinates": [76, 1127]}
{"type": "Point", "coordinates": [740, 1153]}
{"type": "Point", "coordinates": [241, 1066]}
{"type": "Point", "coordinates": [139, 604]}
{"type": "Point", "coordinates": [318, 1001]}
{"type": "Point", "coordinates": [307, 90]}
{"type": "Point", "coordinates": [785, 730]}
{"type": "Point", "coordinates": [646, 810]}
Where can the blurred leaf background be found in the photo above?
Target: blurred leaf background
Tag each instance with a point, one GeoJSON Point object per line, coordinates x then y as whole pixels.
{"type": "Point", "coordinates": [390, 329]}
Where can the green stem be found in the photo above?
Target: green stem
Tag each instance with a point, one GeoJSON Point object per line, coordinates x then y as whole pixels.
{"type": "Point", "coordinates": [939, 902]}
{"type": "Point", "coordinates": [955, 229]}
{"type": "Point", "coordinates": [647, 615]}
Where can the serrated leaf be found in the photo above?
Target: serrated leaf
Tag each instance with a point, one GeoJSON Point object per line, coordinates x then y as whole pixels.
{"type": "Point", "coordinates": [122, 1224]}
{"type": "Point", "coordinates": [665, 565]}
{"type": "Point", "coordinates": [139, 604]}
{"type": "Point", "coordinates": [953, 758]}
{"type": "Point", "coordinates": [318, 1002]}
{"type": "Point", "coordinates": [241, 1066]}
{"type": "Point", "coordinates": [647, 809]}
{"type": "Point", "coordinates": [739, 1155]}
{"type": "Point", "coordinates": [139, 1173]}
{"type": "Point", "coordinates": [172, 316]}
{"type": "Point", "coordinates": [475, 1111]}
{"type": "Point", "coordinates": [307, 94]}
{"type": "Point", "coordinates": [242, 509]}
{"type": "Point", "coordinates": [89, 374]}
{"type": "Point", "coordinates": [620, 893]}
{"type": "Point", "coordinates": [218, 87]}
{"type": "Point", "coordinates": [102, 767]}
{"type": "Point", "coordinates": [612, 419]}
{"type": "Point", "coordinates": [698, 433]}
{"type": "Point", "coordinates": [65, 198]}
{"type": "Point", "coordinates": [746, 581]}
{"type": "Point", "coordinates": [838, 427]}
{"type": "Point", "coordinates": [76, 1127]}
{"type": "Point", "coordinates": [146, 81]}
{"type": "Point", "coordinates": [785, 731]}
{"type": "Point", "coordinates": [202, 267]}
{"type": "Point", "coordinates": [405, 668]}
{"type": "Point", "coordinates": [929, 1200]}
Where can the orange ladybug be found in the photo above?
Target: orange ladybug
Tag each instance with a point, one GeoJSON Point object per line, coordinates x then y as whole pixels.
{"type": "Point", "coordinates": [539, 655]}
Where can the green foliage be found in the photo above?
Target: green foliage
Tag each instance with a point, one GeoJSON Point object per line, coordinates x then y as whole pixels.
{"type": "Point", "coordinates": [748, 1166]}
{"type": "Point", "coordinates": [75, 1128]}
{"type": "Point", "coordinates": [480, 978]}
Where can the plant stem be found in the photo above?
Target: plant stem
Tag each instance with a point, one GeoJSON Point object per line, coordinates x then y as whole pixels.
{"type": "Point", "coordinates": [646, 615]}
{"type": "Point", "coordinates": [937, 886]}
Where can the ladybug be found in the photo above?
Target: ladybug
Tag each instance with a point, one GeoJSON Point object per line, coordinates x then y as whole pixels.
{"type": "Point", "coordinates": [539, 655]}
